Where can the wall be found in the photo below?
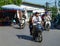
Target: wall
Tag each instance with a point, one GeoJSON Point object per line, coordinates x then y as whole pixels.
{"type": "Point", "coordinates": [33, 9]}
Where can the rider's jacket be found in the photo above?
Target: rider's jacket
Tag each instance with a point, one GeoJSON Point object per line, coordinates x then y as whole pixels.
{"type": "Point", "coordinates": [36, 19]}
{"type": "Point", "coordinates": [47, 18]}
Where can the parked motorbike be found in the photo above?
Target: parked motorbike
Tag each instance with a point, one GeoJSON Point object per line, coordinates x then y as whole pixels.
{"type": "Point", "coordinates": [37, 34]}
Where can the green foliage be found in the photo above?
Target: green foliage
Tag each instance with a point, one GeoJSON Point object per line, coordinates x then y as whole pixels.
{"type": "Point", "coordinates": [59, 9]}
{"type": "Point", "coordinates": [54, 12]}
{"type": "Point", "coordinates": [5, 2]}
{"type": "Point", "coordinates": [18, 2]}
{"type": "Point", "coordinates": [1, 8]}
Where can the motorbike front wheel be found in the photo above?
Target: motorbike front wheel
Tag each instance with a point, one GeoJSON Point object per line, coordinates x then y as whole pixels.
{"type": "Point", "coordinates": [38, 37]}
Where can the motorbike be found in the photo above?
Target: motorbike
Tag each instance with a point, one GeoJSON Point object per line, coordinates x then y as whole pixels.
{"type": "Point", "coordinates": [37, 34]}
{"type": "Point", "coordinates": [22, 23]}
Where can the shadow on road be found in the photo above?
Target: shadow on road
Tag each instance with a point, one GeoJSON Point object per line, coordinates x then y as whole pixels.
{"type": "Point", "coordinates": [24, 37]}
{"type": "Point", "coordinates": [16, 27]}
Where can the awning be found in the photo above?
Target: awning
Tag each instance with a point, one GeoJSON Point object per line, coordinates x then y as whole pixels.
{"type": "Point", "coordinates": [12, 7]}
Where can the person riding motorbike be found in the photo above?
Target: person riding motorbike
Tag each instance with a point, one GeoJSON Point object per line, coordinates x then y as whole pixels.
{"type": "Point", "coordinates": [43, 20]}
{"type": "Point", "coordinates": [22, 18]}
{"type": "Point", "coordinates": [47, 20]}
{"type": "Point", "coordinates": [36, 19]}
{"type": "Point", "coordinates": [22, 21]}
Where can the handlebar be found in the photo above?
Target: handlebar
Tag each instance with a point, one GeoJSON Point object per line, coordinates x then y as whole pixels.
{"type": "Point", "coordinates": [38, 22]}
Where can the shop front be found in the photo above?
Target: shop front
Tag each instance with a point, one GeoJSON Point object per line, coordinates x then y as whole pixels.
{"type": "Point", "coordinates": [6, 17]}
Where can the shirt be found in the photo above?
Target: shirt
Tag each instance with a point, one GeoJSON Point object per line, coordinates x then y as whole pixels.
{"type": "Point", "coordinates": [36, 19]}
{"type": "Point", "coordinates": [47, 18]}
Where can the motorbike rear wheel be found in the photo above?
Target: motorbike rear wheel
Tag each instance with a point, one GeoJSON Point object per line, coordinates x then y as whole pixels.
{"type": "Point", "coordinates": [47, 27]}
{"type": "Point", "coordinates": [22, 26]}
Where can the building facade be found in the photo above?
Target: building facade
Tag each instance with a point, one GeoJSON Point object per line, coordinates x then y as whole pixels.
{"type": "Point", "coordinates": [31, 8]}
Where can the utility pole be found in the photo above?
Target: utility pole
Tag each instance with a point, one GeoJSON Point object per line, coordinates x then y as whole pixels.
{"type": "Point", "coordinates": [56, 6]}
{"type": "Point", "coordinates": [47, 6]}
{"type": "Point", "coordinates": [56, 3]}
{"type": "Point", "coordinates": [59, 6]}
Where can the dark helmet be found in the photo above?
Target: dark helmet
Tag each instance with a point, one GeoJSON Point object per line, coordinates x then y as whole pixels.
{"type": "Point", "coordinates": [46, 12]}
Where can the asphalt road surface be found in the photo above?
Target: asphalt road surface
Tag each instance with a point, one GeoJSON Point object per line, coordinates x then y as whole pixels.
{"type": "Point", "coordinates": [13, 36]}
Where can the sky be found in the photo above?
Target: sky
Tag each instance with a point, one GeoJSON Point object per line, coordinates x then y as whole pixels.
{"type": "Point", "coordinates": [41, 2]}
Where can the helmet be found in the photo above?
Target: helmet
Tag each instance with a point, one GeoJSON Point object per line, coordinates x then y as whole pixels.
{"type": "Point", "coordinates": [36, 13]}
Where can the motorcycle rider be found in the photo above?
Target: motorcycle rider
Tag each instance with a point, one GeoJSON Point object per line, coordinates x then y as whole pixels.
{"type": "Point", "coordinates": [47, 19]}
{"type": "Point", "coordinates": [35, 19]}
{"type": "Point", "coordinates": [30, 24]}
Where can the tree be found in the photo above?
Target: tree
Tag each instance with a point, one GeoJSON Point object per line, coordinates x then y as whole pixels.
{"type": "Point", "coordinates": [5, 2]}
{"type": "Point", "coordinates": [59, 9]}
{"type": "Point", "coordinates": [54, 12]}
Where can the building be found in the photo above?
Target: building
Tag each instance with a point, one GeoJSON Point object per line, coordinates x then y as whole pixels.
{"type": "Point", "coordinates": [30, 8]}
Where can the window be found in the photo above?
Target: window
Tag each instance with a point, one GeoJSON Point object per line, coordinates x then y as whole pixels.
{"type": "Point", "coordinates": [29, 13]}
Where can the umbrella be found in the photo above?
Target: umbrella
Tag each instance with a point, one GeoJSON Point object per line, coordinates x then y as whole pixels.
{"type": "Point", "coordinates": [12, 7]}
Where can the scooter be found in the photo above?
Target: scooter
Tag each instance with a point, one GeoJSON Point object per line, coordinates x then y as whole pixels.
{"type": "Point", "coordinates": [47, 25]}
{"type": "Point", "coordinates": [37, 34]}
{"type": "Point", "coordinates": [22, 23]}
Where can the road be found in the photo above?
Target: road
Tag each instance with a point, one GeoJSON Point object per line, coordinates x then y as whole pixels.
{"type": "Point", "coordinates": [12, 36]}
